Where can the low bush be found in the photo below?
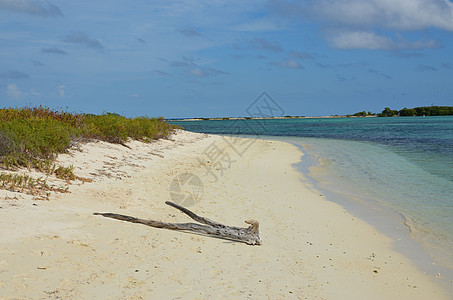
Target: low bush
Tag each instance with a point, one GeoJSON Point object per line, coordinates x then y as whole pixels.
{"type": "Point", "coordinates": [32, 137]}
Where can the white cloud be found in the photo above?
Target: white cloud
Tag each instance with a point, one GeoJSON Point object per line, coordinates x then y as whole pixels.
{"type": "Point", "coordinates": [289, 64]}
{"type": "Point", "coordinates": [34, 92]}
{"type": "Point", "coordinates": [198, 72]}
{"type": "Point", "coordinates": [372, 41]}
{"type": "Point", "coordinates": [13, 91]}
{"type": "Point", "coordinates": [204, 72]}
{"type": "Point", "coordinates": [417, 14]}
{"type": "Point", "coordinates": [61, 90]}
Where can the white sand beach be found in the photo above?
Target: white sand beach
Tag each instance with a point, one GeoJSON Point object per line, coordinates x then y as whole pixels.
{"type": "Point", "coordinates": [312, 248]}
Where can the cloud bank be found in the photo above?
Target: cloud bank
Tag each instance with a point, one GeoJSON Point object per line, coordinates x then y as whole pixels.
{"type": "Point", "coordinates": [353, 24]}
{"type": "Point", "coordinates": [37, 8]}
{"type": "Point", "coordinates": [400, 15]}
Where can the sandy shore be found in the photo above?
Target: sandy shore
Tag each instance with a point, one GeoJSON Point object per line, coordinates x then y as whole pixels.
{"type": "Point", "coordinates": [312, 248]}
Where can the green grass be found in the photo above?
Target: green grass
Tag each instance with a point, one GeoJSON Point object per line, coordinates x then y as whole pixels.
{"type": "Point", "coordinates": [32, 137]}
{"type": "Point", "coordinates": [16, 181]}
{"type": "Point", "coordinates": [29, 185]}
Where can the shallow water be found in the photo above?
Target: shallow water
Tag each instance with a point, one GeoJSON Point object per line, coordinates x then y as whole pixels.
{"type": "Point", "coordinates": [376, 178]}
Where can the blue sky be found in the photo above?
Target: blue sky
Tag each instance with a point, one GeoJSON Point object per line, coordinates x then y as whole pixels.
{"type": "Point", "coordinates": [214, 58]}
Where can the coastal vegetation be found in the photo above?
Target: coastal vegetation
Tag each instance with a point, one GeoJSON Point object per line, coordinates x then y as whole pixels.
{"type": "Point", "coordinates": [32, 137]}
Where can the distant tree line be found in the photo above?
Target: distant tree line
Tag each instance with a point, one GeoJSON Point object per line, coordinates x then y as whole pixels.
{"type": "Point", "coordinates": [364, 114]}
{"type": "Point", "coordinates": [418, 111]}
{"type": "Point", "coordinates": [410, 112]}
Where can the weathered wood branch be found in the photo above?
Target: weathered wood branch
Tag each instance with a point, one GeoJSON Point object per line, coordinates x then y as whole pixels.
{"type": "Point", "coordinates": [249, 235]}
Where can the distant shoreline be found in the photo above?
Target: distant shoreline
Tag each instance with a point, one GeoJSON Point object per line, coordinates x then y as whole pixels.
{"type": "Point", "coordinates": [267, 118]}
{"type": "Point", "coordinates": [387, 112]}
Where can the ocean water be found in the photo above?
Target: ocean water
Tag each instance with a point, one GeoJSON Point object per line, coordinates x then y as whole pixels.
{"type": "Point", "coordinates": [391, 171]}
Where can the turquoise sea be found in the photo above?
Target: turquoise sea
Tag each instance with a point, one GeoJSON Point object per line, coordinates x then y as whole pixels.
{"type": "Point", "coordinates": [396, 173]}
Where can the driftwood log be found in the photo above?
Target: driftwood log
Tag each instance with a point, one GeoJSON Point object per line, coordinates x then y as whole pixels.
{"type": "Point", "coordinates": [249, 235]}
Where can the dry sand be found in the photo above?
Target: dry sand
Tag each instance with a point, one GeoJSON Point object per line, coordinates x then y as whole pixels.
{"type": "Point", "coordinates": [312, 248]}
